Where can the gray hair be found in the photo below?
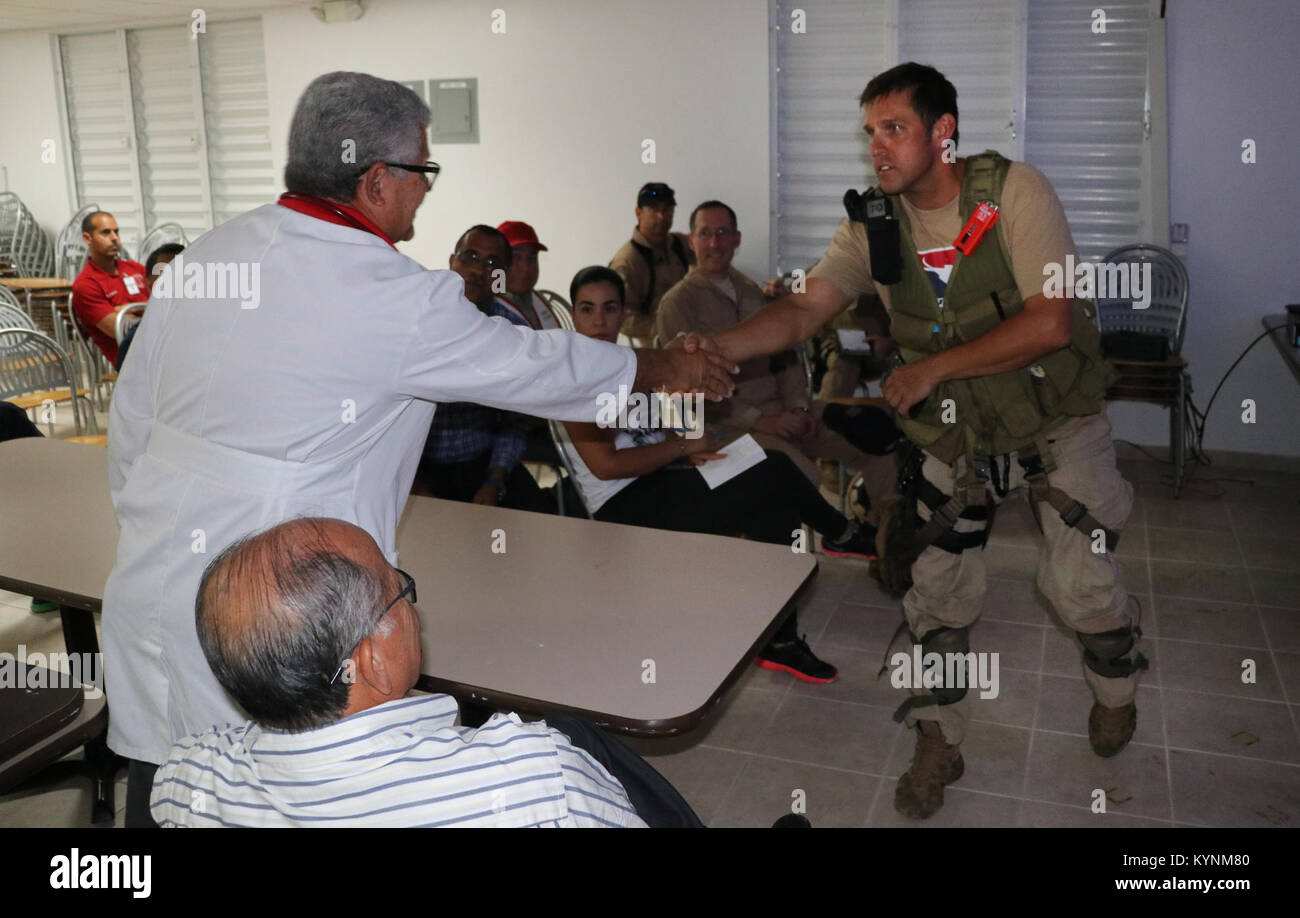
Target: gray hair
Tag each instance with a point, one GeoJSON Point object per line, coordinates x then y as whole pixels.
{"type": "Point", "coordinates": [277, 614]}
{"type": "Point", "coordinates": [344, 123]}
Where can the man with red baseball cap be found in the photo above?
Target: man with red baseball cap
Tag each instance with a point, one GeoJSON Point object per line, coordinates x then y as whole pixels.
{"type": "Point", "coordinates": [520, 296]}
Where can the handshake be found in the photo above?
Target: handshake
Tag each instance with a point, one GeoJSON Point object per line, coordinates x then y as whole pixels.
{"type": "Point", "coordinates": [689, 363]}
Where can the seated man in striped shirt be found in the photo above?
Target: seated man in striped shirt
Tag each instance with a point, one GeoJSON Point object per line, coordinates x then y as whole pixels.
{"type": "Point", "coordinates": [316, 636]}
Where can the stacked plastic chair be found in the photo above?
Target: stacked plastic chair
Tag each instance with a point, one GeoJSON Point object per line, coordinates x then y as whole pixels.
{"type": "Point", "coordinates": [22, 242]}
{"type": "Point", "coordinates": [160, 235]}
{"type": "Point", "coordinates": [70, 250]}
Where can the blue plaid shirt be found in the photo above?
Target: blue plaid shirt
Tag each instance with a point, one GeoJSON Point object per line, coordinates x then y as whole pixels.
{"type": "Point", "coordinates": [462, 431]}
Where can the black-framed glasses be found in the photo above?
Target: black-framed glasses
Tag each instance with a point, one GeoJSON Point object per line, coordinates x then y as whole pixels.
{"type": "Point", "coordinates": [471, 257]}
{"type": "Point", "coordinates": [408, 589]}
{"type": "Point", "coordinates": [429, 170]}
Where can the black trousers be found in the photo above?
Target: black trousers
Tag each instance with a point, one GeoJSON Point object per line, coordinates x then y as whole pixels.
{"type": "Point", "coordinates": [461, 480]}
{"type": "Point", "coordinates": [139, 784]}
{"type": "Point", "coordinates": [656, 801]}
{"type": "Point", "coordinates": [767, 503]}
{"type": "Point", "coordinates": [14, 423]}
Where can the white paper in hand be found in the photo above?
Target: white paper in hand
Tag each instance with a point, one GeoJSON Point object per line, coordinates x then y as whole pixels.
{"type": "Point", "coordinates": [853, 341]}
{"type": "Point", "coordinates": [744, 453]}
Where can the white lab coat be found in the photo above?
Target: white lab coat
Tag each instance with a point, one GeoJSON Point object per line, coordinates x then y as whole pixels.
{"type": "Point", "coordinates": [227, 420]}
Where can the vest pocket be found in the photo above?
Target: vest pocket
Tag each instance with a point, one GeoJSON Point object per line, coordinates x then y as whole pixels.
{"type": "Point", "coordinates": [913, 332]}
{"type": "Point", "coordinates": [1053, 379]}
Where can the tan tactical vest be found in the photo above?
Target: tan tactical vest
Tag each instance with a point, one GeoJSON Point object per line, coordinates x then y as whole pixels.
{"type": "Point", "coordinates": [990, 415]}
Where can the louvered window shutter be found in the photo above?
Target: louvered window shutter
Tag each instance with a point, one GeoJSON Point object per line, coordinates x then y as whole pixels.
{"type": "Point", "coordinates": [821, 150]}
{"type": "Point", "coordinates": [238, 118]}
{"type": "Point", "coordinates": [101, 125]}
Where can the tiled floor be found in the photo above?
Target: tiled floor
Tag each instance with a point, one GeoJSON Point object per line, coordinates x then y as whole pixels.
{"type": "Point", "coordinates": [1219, 583]}
{"type": "Point", "coordinates": [1217, 744]}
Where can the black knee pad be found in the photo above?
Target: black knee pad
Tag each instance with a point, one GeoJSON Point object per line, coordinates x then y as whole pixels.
{"type": "Point", "coordinates": [1111, 654]}
{"type": "Point", "coordinates": [945, 641]}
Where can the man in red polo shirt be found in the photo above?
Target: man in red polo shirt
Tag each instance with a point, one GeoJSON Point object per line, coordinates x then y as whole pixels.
{"type": "Point", "coordinates": [107, 284]}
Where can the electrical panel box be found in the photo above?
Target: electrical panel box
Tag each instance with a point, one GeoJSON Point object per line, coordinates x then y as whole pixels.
{"type": "Point", "coordinates": [453, 106]}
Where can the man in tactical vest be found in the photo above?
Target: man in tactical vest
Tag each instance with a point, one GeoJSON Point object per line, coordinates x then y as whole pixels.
{"type": "Point", "coordinates": [651, 261]}
{"type": "Point", "coordinates": [999, 386]}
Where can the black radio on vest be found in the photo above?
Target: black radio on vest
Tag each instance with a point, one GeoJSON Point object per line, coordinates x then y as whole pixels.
{"type": "Point", "coordinates": [875, 210]}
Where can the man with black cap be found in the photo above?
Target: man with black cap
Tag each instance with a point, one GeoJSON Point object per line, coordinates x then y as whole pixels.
{"type": "Point", "coordinates": [652, 260]}
{"type": "Point", "coordinates": [521, 280]}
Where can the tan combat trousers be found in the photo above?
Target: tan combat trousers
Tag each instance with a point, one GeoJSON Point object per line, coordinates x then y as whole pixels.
{"type": "Point", "coordinates": [1083, 586]}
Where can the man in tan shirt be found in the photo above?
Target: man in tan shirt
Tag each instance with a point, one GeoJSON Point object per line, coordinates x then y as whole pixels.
{"type": "Point", "coordinates": [650, 262]}
{"type": "Point", "coordinates": [1033, 336]}
{"type": "Point", "coordinates": [772, 401]}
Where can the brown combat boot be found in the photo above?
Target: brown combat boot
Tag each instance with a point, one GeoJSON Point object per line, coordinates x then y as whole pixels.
{"type": "Point", "coordinates": [1110, 729]}
{"type": "Point", "coordinates": [934, 763]}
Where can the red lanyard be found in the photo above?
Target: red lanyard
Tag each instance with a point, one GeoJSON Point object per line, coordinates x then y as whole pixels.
{"type": "Point", "coordinates": [331, 212]}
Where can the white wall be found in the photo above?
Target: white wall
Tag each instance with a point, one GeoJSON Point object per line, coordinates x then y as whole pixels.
{"type": "Point", "coordinates": [571, 89]}
{"type": "Point", "coordinates": [29, 115]}
{"type": "Point", "coordinates": [1231, 78]}
{"type": "Point", "coordinates": [566, 96]}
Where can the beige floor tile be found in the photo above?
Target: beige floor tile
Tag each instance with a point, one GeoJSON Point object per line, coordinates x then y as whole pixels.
{"type": "Point", "coordinates": [1276, 588]}
{"type": "Point", "coordinates": [1199, 580]}
{"type": "Point", "coordinates": [834, 734]}
{"type": "Point", "coordinates": [1218, 668]}
{"type": "Point", "coordinates": [1196, 545]}
{"type": "Point", "coordinates": [1198, 619]}
{"type": "Point", "coordinates": [767, 789]}
{"type": "Point", "coordinates": [1282, 627]}
{"type": "Point", "coordinates": [1038, 815]}
{"type": "Point", "coordinates": [1217, 790]}
{"type": "Point", "coordinates": [1231, 726]}
{"type": "Point", "coordinates": [1064, 769]}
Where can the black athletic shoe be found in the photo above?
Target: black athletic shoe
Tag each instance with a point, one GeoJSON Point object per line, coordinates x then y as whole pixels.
{"type": "Point", "coordinates": [795, 658]}
{"type": "Point", "coordinates": [792, 821]}
{"type": "Point", "coordinates": [861, 543]}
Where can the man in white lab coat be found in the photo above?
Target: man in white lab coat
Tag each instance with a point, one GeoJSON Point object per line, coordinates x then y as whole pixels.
{"type": "Point", "coordinates": [288, 366]}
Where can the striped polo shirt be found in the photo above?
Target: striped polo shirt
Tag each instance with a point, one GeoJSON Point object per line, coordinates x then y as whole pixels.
{"type": "Point", "coordinates": [403, 763]}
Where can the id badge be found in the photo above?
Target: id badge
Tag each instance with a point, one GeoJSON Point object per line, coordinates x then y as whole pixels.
{"type": "Point", "coordinates": [132, 287]}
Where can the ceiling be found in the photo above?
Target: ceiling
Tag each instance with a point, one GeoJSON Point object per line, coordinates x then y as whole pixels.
{"type": "Point", "coordinates": [77, 15]}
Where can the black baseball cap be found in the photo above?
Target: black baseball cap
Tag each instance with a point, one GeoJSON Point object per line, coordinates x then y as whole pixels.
{"type": "Point", "coordinates": [655, 193]}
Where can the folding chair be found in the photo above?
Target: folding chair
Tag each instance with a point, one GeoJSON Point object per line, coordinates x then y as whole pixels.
{"type": "Point", "coordinates": [1162, 382]}
{"type": "Point", "coordinates": [559, 307]}
{"type": "Point", "coordinates": [564, 448]}
{"type": "Point", "coordinates": [161, 235]}
{"type": "Point", "coordinates": [35, 371]}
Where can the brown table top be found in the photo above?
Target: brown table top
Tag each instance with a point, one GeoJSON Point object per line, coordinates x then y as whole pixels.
{"type": "Point", "coordinates": [36, 283]}
{"type": "Point", "coordinates": [640, 629]}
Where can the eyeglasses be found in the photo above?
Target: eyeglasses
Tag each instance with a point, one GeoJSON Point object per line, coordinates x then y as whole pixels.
{"type": "Point", "coordinates": [429, 170]}
{"type": "Point", "coordinates": [471, 258]}
{"type": "Point", "coordinates": [408, 589]}
{"type": "Point", "coordinates": [721, 232]}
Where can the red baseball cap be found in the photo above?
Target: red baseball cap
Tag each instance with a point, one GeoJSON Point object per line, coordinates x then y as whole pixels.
{"type": "Point", "coordinates": [519, 233]}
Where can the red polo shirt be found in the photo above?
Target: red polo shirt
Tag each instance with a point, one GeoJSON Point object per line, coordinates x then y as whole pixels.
{"type": "Point", "coordinates": [96, 293]}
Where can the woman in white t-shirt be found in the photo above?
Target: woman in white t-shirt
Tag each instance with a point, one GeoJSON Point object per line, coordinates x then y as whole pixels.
{"type": "Point", "coordinates": [646, 478]}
